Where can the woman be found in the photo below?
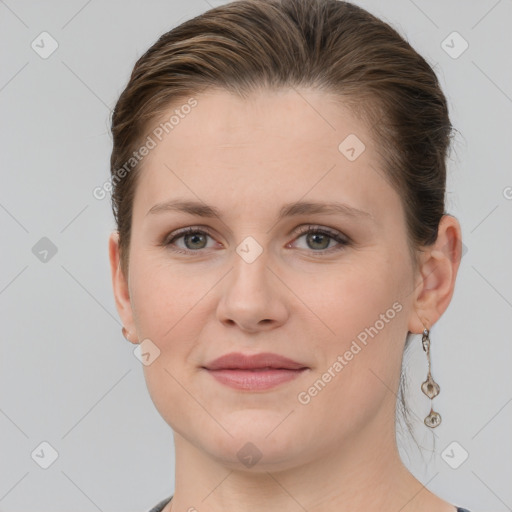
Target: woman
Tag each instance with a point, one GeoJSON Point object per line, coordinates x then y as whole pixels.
{"type": "Point", "coordinates": [279, 183]}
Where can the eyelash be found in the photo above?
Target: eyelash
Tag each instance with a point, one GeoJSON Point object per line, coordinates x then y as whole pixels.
{"type": "Point", "coordinates": [343, 241]}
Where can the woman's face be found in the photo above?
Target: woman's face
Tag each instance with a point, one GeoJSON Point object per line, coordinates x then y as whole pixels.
{"type": "Point", "coordinates": [250, 281]}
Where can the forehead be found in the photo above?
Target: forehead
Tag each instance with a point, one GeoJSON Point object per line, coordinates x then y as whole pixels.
{"type": "Point", "coordinates": [273, 146]}
{"type": "Point", "coordinates": [224, 118]}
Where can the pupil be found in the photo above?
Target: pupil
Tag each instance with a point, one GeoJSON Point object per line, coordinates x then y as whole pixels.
{"type": "Point", "coordinates": [313, 236]}
{"type": "Point", "coordinates": [194, 236]}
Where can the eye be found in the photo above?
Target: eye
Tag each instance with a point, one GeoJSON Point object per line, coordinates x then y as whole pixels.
{"type": "Point", "coordinates": [194, 240]}
{"type": "Point", "coordinates": [319, 239]}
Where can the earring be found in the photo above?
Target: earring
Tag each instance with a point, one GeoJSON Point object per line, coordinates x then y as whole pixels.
{"type": "Point", "coordinates": [430, 387]}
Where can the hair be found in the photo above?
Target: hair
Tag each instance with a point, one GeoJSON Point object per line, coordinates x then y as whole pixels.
{"type": "Point", "coordinates": [326, 45]}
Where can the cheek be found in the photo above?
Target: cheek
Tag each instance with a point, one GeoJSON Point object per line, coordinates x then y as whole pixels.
{"type": "Point", "coordinates": [170, 312]}
{"type": "Point", "coordinates": [349, 298]}
{"type": "Point", "coordinates": [164, 297]}
{"type": "Point", "coordinates": [365, 311]}
{"type": "Point", "coordinates": [361, 363]}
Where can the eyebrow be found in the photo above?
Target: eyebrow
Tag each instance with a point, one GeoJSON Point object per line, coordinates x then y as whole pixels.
{"type": "Point", "coordinates": [288, 210]}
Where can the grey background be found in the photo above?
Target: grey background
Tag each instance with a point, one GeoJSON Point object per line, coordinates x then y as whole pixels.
{"type": "Point", "coordinates": [68, 377]}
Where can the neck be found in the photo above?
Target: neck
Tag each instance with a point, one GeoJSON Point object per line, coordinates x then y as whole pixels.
{"type": "Point", "coordinates": [363, 473]}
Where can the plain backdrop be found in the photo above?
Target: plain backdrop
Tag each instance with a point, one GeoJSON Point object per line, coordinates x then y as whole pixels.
{"type": "Point", "coordinates": [73, 395]}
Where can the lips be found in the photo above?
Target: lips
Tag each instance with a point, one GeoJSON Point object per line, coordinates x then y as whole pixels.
{"type": "Point", "coordinates": [265, 360]}
{"type": "Point", "coordinates": [257, 372]}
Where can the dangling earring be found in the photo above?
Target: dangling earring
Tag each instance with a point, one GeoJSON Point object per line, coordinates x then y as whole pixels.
{"type": "Point", "coordinates": [430, 387]}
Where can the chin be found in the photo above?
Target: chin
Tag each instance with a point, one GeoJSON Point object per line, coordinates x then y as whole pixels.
{"type": "Point", "coordinates": [259, 441]}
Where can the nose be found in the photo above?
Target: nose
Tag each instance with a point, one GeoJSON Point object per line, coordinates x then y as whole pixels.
{"type": "Point", "coordinates": [253, 298]}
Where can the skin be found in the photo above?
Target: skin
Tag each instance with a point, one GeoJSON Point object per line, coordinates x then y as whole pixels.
{"type": "Point", "coordinates": [248, 157]}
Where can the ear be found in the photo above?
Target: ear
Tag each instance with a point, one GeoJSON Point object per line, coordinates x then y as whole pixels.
{"type": "Point", "coordinates": [436, 278]}
{"type": "Point", "coordinates": [120, 287]}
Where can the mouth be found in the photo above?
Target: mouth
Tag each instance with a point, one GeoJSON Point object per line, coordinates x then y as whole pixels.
{"type": "Point", "coordinates": [254, 372]}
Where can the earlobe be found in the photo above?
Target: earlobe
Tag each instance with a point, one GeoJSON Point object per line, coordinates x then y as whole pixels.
{"type": "Point", "coordinates": [120, 285]}
{"type": "Point", "coordinates": [438, 271]}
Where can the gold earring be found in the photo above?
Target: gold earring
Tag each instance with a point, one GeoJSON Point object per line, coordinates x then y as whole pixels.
{"type": "Point", "coordinates": [430, 387]}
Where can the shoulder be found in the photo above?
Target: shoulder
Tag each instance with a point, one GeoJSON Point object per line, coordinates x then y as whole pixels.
{"type": "Point", "coordinates": [160, 506]}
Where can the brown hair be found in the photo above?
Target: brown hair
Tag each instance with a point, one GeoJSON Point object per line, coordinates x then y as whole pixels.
{"type": "Point", "coordinates": [329, 45]}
